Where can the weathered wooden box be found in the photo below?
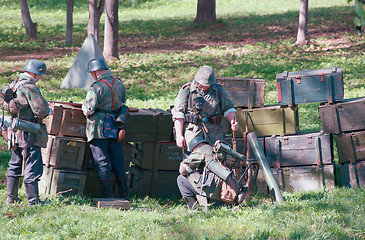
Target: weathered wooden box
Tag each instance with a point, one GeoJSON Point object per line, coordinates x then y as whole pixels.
{"type": "Point", "coordinates": [352, 174]}
{"type": "Point", "coordinates": [67, 120]}
{"type": "Point", "coordinates": [62, 181]}
{"type": "Point", "coordinates": [305, 178]}
{"type": "Point", "coordinates": [267, 121]}
{"type": "Point", "coordinates": [320, 85]}
{"type": "Point", "coordinates": [64, 152]}
{"type": "Point", "coordinates": [346, 116]}
{"type": "Point", "coordinates": [351, 146]}
{"type": "Point", "coordinates": [117, 203]}
{"type": "Point", "coordinates": [244, 92]}
{"type": "Point", "coordinates": [299, 150]}
{"type": "Point", "coordinates": [153, 183]}
{"type": "Point", "coordinates": [157, 156]}
{"type": "Point", "coordinates": [149, 125]}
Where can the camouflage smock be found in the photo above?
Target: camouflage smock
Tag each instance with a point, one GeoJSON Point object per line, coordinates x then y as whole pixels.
{"type": "Point", "coordinates": [216, 102]}
{"type": "Point", "coordinates": [99, 97]}
{"type": "Point", "coordinates": [211, 183]}
{"type": "Point", "coordinates": [31, 107]}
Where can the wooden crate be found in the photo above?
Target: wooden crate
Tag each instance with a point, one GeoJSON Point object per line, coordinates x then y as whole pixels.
{"type": "Point", "coordinates": [244, 92]}
{"type": "Point", "coordinates": [352, 174]}
{"type": "Point", "coordinates": [305, 178]}
{"type": "Point", "coordinates": [67, 120]}
{"type": "Point", "coordinates": [64, 152]}
{"type": "Point", "coordinates": [319, 85]}
{"type": "Point", "coordinates": [62, 181]}
{"type": "Point", "coordinates": [269, 120]}
{"type": "Point", "coordinates": [299, 150]}
{"type": "Point", "coordinates": [157, 156]}
{"type": "Point", "coordinates": [149, 125]}
{"type": "Point", "coordinates": [153, 183]}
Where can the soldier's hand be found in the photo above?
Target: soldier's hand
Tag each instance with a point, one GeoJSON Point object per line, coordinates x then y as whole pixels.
{"type": "Point", "coordinates": [180, 141]}
{"type": "Point", "coordinates": [234, 125]}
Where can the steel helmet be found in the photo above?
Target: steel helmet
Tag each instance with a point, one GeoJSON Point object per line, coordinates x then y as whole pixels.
{"type": "Point", "coordinates": [35, 66]}
{"type": "Point", "coordinates": [96, 64]}
{"type": "Point", "coordinates": [205, 76]}
{"type": "Point", "coordinates": [193, 143]}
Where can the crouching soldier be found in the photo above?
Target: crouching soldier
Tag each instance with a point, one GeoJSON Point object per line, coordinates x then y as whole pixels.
{"type": "Point", "coordinates": [27, 134]}
{"type": "Point", "coordinates": [203, 178]}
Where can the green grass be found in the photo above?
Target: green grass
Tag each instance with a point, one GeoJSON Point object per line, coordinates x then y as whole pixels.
{"type": "Point", "coordinates": [160, 50]}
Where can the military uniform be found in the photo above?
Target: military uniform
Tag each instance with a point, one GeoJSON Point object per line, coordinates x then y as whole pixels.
{"type": "Point", "coordinates": [213, 104]}
{"type": "Point", "coordinates": [360, 14]}
{"type": "Point", "coordinates": [106, 151]}
{"type": "Point", "coordinates": [203, 175]}
{"type": "Point", "coordinates": [28, 104]}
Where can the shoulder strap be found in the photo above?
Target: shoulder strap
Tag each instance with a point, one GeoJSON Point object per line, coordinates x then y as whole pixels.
{"type": "Point", "coordinates": [114, 93]}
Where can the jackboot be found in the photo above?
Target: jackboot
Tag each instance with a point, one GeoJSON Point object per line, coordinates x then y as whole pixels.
{"type": "Point", "coordinates": [12, 185]}
{"type": "Point", "coordinates": [192, 202]}
{"type": "Point", "coordinates": [358, 30]}
{"type": "Point", "coordinates": [123, 188]}
{"type": "Point", "coordinates": [106, 187]}
{"type": "Point", "coordinates": [31, 190]}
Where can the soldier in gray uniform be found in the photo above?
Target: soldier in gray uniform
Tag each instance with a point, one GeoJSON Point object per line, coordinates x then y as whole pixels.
{"type": "Point", "coordinates": [203, 178]}
{"type": "Point", "coordinates": [27, 103]}
{"type": "Point", "coordinates": [105, 96]}
{"type": "Point", "coordinates": [199, 108]}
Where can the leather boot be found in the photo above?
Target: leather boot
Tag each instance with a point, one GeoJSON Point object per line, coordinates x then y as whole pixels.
{"type": "Point", "coordinates": [192, 202]}
{"type": "Point", "coordinates": [123, 188]}
{"type": "Point", "coordinates": [31, 190]}
{"type": "Point", "coordinates": [358, 30]}
{"type": "Point", "coordinates": [12, 185]}
{"type": "Point", "coordinates": [106, 187]}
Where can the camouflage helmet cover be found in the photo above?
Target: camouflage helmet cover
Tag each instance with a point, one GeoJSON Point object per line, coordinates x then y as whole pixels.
{"type": "Point", "coordinates": [35, 66]}
{"type": "Point", "coordinates": [96, 64]}
{"type": "Point", "coordinates": [193, 143]}
{"type": "Point", "coordinates": [205, 76]}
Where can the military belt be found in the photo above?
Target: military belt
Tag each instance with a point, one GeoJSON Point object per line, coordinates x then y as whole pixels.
{"type": "Point", "coordinates": [193, 118]}
{"type": "Point", "coordinates": [107, 111]}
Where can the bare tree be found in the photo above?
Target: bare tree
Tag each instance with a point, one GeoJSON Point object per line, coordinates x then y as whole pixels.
{"type": "Point", "coordinates": [30, 27]}
{"type": "Point", "coordinates": [111, 30]}
{"type": "Point", "coordinates": [206, 12]}
{"type": "Point", "coordinates": [303, 35]}
{"type": "Point", "coordinates": [96, 9]}
{"type": "Point", "coordinates": [69, 22]}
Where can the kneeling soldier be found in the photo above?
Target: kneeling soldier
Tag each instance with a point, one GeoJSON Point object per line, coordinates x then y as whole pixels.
{"type": "Point", "coordinates": [202, 177]}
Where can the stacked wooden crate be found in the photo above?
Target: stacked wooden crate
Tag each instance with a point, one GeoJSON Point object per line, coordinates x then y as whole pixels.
{"type": "Point", "coordinates": [155, 159]}
{"type": "Point", "coordinates": [346, 120]}
{"type": "Point", "coordinates": [299, 162]}
{"type": "Point", "coordinates": [63, 157]}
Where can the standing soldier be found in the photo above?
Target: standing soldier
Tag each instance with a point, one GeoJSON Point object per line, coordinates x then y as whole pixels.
{"type": "Point", "coordinates": [360, 15]}
{"type": "Point", "coordinates": [103, 100]}
{"type": "Point", "coordinates": [199, 108]}
{"type": "Point", "coordinates": [28, 105]}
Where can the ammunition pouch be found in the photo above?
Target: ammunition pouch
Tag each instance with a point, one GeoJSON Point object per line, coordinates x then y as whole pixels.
{"type": "Point", "coordinates": [122, 116]}
{"type": "Point", "coordinates": [109, 129]}
{"type": "Point", "coordinates": [191, 118]}
{"type": "Point", "coordinates": [216, 168]}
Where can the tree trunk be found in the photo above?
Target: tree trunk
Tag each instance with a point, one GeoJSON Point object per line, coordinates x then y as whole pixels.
{"type": "Point", "coordinates": [111, 30]}
{"type": "Point", "coordinates": [69, 24]}
{"type": "Point", "coordinates": [206, 12]}
{"type": "Point", "coordinates": [303, 35]}
{"type": "Point", "coordinates": [95, 12]}
{"type": "Point", "coordinates": [30, 27]}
